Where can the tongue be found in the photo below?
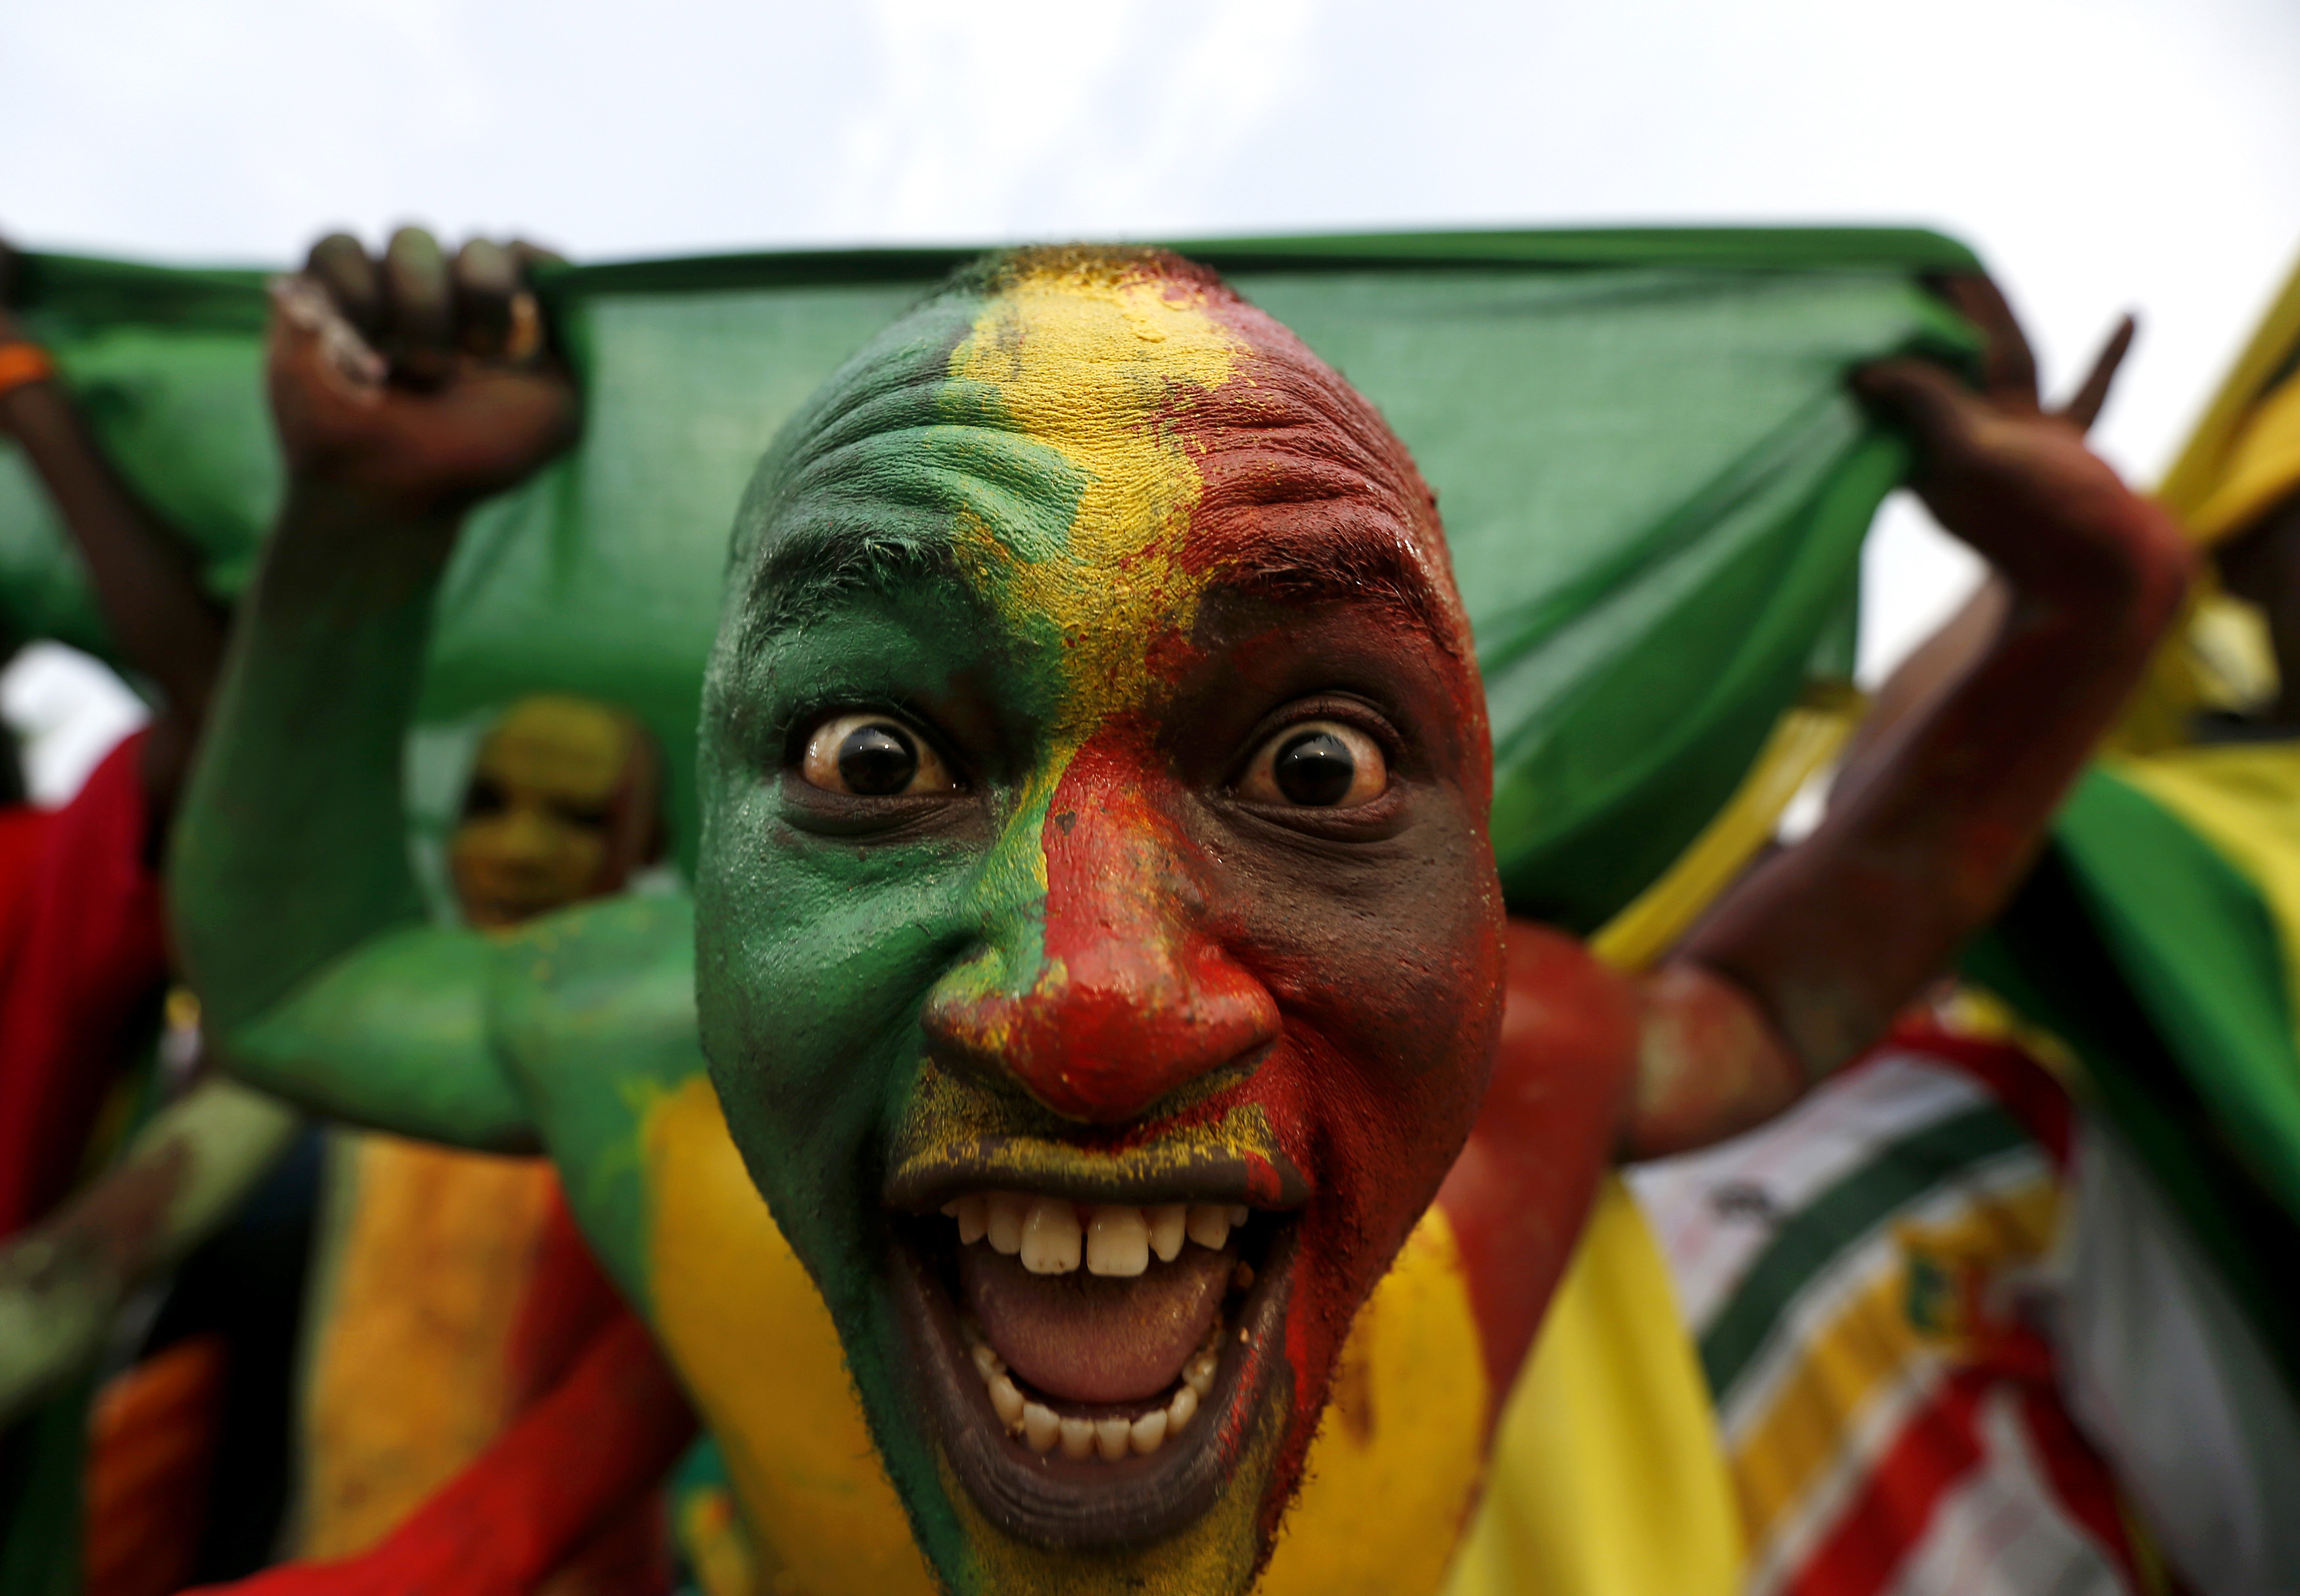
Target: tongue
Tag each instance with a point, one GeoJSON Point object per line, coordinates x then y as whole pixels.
{"type": "Point", "coordinates": [1094, 1338]}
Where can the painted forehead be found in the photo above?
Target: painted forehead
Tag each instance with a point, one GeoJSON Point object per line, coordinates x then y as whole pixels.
{"type": "Point", "coordinates": [1089, 436]}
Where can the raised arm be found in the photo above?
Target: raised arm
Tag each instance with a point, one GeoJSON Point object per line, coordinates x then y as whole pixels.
{"type": "Point", "coordinates": [1804, 964]}
{"type": "Point", "coordinates": [406, 389]}
{"type": "Point", "coordinates": [146, 576]}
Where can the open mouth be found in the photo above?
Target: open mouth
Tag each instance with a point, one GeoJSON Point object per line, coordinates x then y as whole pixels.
{"type": "Point", "coordinates": [1093, 1366]}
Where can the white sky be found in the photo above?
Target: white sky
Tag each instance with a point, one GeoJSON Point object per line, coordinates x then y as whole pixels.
{"type": "Point", "coordinates": [2100, 153]}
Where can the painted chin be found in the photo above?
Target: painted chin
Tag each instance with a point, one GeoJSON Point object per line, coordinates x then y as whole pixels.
{"type": "Point", "coordinates": [1094, 1370]}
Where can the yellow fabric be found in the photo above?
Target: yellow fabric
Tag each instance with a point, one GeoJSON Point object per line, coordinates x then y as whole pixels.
{"type": "Point", "coordinates": [410, 1368]}
{"type": "Point", "coordinates": [2244, 798]}
{"type": "Point", "coordinates": [2206, 462]}
{"type": "Point", "coordinates": [2261, 470]}
{"type": "Point", "coordinates": [2242, 457]}
{"type": "Point", "coordinates": [732, 1302]}
{"type": "Point", "coordinates": [718, 1551]}
{"type": "Point", "coordinates": [1607, 1478]}
{"type": "Point", "coordinates": [1807, 737]}
{"type": "Point", "coordinates": [1397, 1463]}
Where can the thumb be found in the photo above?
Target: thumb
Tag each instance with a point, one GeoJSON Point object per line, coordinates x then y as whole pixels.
{"type": "Point", "coordinates": [1916, 394]}
{"type": "Point", "coordinates": [310, 339]}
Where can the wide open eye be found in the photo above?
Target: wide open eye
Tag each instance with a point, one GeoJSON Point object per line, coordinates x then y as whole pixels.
{"type": "Point", "coordinates": [872, 756]}
{"type": "Point", "coordinates": [1317, 764]}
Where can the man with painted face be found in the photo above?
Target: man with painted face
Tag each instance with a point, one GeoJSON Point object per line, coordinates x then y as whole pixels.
{"type": "Point", "coordinates": [1096, 951]}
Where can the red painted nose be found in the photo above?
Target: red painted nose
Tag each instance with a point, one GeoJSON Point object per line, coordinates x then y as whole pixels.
{"type": "Point", "coordinates": [1134, 998]}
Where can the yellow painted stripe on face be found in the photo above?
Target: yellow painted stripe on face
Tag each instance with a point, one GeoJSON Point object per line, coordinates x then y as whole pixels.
{"type": "Point", "coordinates": [1094, 368]}
{"type": "Point", "coordinates": [1398, 1461]}
{"type": "Point", "coordinates": [759, 1354]}
{"type": "Point", "coordinates": [1783, 1449]}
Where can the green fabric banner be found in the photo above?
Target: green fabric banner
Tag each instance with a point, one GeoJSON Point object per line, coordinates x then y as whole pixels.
{"type": "Point", "coordinates": [2161, 967]}
{"type": "Point", "coordinates": [1655, 484]}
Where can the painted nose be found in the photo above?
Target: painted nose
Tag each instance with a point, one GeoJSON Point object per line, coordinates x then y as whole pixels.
{"type": "Point", "coordinates": [1132, 997]}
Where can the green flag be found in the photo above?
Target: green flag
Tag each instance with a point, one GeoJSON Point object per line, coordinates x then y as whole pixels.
{"type": "Point", "coordinates": [1653, 480]}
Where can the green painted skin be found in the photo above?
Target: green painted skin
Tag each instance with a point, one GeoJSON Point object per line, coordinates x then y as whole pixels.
{"type": "Point", "coordinates": [301, 920]}
{"type": "Point", "coordinates": [358, 1006]}
{"type": "Point", "coordinates": [819, 946]}
{"type": "Point", "coordinates": [324, 982]}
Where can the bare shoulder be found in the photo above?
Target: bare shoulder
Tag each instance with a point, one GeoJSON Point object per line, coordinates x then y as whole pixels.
{"type": "Point", "coordinates": [602, 988]}
{"type": "Point", "coordinates": [593, 1013]}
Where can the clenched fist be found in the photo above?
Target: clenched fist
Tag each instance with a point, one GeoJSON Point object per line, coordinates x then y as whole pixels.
{"type": "Point", "coordinates": [421, 383]}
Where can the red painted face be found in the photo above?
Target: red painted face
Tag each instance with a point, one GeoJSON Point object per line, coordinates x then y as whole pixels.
{"type": "Point", "coordinates": [1197, 747]}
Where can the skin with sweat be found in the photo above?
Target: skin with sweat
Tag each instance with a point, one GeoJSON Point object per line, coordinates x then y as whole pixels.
{"type": "Point", "coordinates": [1095, 777]}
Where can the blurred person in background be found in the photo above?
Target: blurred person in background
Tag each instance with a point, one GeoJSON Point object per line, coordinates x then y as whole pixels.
{"type": "Point", "coordinates": [83, 954]}
{"type": "Point", "coordinates": [82, 959]}
{"type": "Point", "coordinates": [450, 1291]}
{"type": "Point", "coordinates": [454, 1290]}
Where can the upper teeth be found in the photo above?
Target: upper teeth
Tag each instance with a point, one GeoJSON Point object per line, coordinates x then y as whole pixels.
{"type": "Point", "coordinates": [1052, 1234]}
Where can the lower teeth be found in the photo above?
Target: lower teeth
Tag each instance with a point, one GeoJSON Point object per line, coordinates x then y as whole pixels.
{"type": "Point", "coordinates": [1041, 1429]}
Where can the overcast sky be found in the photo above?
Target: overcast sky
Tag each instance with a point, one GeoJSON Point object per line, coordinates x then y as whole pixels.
{"type": "Point", "coordinates": [2100, 153]}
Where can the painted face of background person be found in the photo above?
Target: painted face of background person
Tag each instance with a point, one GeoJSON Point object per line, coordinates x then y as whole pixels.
{"type": "Point", "coordinates": [562, 807]}
{"type": "Point", "coordinates": [1099, 939]}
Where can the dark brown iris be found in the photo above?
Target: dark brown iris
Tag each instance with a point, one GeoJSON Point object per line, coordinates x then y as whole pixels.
{"type": "Point", "coordinates": [1315, 769]}
{"type": "Point", "coordinates": [877, 760]}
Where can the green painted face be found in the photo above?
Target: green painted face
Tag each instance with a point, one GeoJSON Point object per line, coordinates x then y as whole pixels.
{"type": "Point", "coordinates": [1098, 942]}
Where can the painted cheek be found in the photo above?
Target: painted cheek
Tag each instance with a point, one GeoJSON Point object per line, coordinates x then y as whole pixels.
{"type": "Point", "coordinates": [1374, 1091]}
{"type": "Point", "coordinates": [1517, 1197]}
{"type": "Point", "coordinates": [1134, 998]}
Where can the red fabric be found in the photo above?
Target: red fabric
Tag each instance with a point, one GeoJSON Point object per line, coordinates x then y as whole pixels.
{"type": "Point", "coordinates": [151, 1450]}
{"type": "Point", "coordinates": [1938, 1447]}
{"type": "Point", "coordinates": [568, 1305]}
{"type": "Point", "coordinates": [609, 1432]}
{"type": "Point", "coordinates": [83, 958]}
{"type": "Point", "coordinates": [568, 1301]}
{"type": "Point", "coordinates": [2022, 1087]}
